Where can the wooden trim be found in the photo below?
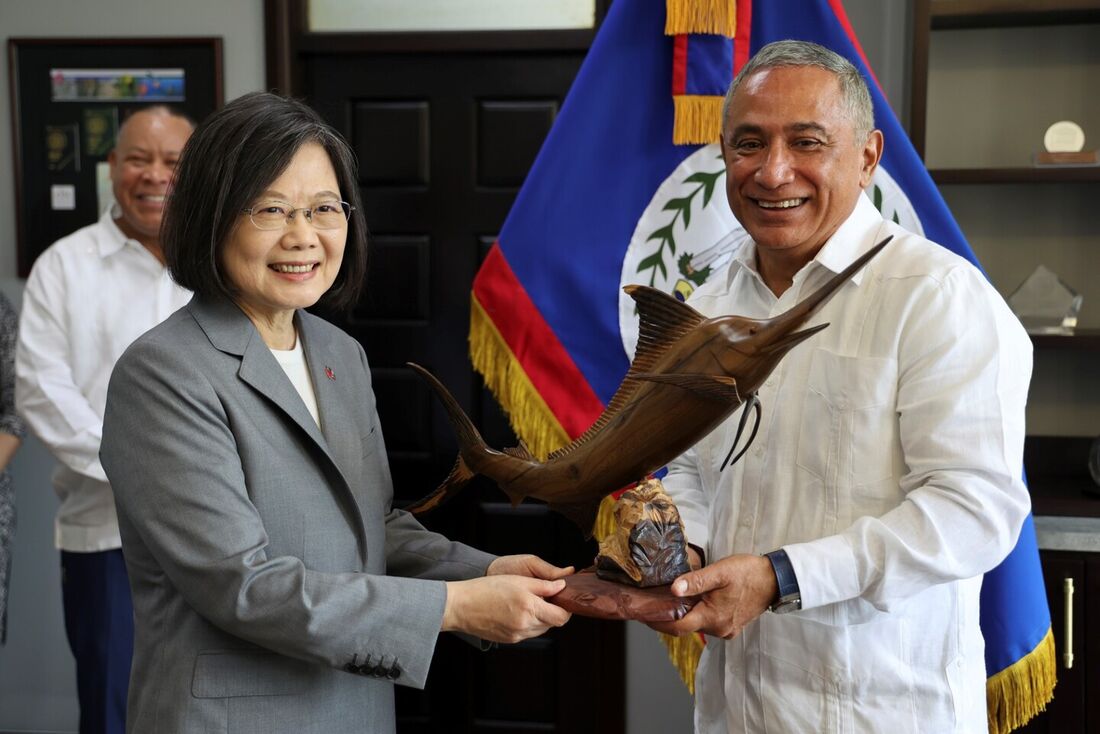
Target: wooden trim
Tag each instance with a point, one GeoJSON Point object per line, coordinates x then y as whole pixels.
{"type": "Point", "coordinates": [1068, 174]}
{"type": "Point", "coordinates": [1082, 340]}
{"type": "Point", "coordinates": [1000, 13]}
{"type": "Point", "coordinates": [219, 77]}
{"type": "Point", "coordinates": [22, 264]}
{"type": "Point", "coordinates": [284, 24]}
{"type": "Point", "coordinates": [1090, 644]}
{"type": "Point", "coordinates": [918, 90]}
{"type": "Point", "coordinates": [444, 41]}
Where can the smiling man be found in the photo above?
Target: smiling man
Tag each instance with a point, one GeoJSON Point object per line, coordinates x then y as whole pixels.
{"type": "Point", "coordinates": [88, 297]}
{"type": "Point", "coordinates": [847, 546]}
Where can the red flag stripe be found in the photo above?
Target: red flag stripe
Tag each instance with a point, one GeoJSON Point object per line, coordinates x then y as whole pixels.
{"type": "Point", "coordinates": [743, 39]}
{"type": "Point", "coordinates": [535, 345]}
{"type": "Point", "coordinates": [679, 64]}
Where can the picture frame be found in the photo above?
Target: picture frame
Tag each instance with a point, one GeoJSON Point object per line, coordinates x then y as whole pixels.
{"type": "Point", "coordinates": [68, 98]}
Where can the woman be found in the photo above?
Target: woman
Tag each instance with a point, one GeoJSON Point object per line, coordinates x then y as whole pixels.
{"type": "Point", "coordinates": [11, 436]}
{"type": "Point", "coordinates": [275, 588]}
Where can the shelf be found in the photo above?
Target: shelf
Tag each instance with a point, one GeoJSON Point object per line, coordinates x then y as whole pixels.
{"type": "Point", "coordinates": [1058, 478]}
{"type": "Point", "coordinates": [1068, 174]}
{"type": "Point", "coordinates": [1084, 340]}
{"type": "Point", "coordinates": [1067, 496]}
{"type": "Point", "coordinates": [947, 14]}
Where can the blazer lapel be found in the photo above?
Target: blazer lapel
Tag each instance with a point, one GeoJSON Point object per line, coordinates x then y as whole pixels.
{"type": "Point", "coordinates": [230, 330]}
{"type": "Point", "coordinates": [338, 424]}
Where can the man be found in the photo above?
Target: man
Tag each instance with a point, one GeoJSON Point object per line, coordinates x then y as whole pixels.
{"type": "Point", "coordinates": [88, 296]}
{"type": "Point", "coordinates": [885, 478]}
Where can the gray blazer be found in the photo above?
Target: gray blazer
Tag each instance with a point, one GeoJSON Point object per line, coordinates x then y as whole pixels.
{"type": "Point", "coordinates": [275, 589]}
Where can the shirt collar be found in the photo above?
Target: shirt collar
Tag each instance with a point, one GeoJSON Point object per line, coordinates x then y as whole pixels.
{"type": "Point", "coordinates": [852, 239]}
{"type": "Point", "coordinates": [855, 236]}
{"type": "Point", "coordinates": [744, 258]}
{"type": "Point", "coordinates": [113, 238]}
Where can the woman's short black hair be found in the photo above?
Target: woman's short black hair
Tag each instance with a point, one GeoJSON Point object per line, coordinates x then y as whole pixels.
{"type": "Point", "coordinates": [233, 156]}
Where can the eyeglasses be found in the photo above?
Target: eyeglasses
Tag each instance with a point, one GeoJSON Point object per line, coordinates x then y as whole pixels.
{"type": "Point", "coordinates": [279, 214]}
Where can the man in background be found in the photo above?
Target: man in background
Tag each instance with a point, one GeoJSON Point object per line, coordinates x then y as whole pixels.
{"type": "Point", "coordinates": [89, 295]}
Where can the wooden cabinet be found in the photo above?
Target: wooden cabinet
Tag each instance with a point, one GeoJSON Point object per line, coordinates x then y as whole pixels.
{"type": "Point", "coordinates": [1073, 591]}
{"type": "Point", "coordinates": [1067, 511]}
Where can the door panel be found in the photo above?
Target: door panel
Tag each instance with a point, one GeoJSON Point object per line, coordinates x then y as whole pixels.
{"type": "Point", "coordinates": [1066, 713]}
{"type": "Point", "coordinates": [444, 141]}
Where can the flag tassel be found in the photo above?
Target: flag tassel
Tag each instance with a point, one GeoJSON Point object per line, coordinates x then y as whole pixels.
{"type": "Point", "coordinates": [698, 119]}
{"type": "Point", "coordinates": [1019, 692]}
{"type": "Point", "coordinates": [718, 17]}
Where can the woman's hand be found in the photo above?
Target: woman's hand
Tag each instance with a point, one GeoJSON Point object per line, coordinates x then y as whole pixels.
{"type": "Point", "coordinates": [504, 608]}
{"type": "Point", "coordinates": [527, 565]}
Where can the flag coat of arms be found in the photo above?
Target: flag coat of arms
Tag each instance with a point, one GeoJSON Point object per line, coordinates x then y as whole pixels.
{"type": "Point", "coordinates": [624, 191]}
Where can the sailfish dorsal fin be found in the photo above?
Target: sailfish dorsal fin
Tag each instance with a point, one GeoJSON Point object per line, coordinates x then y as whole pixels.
{"type": "Point", "coordinates": [662, 320]}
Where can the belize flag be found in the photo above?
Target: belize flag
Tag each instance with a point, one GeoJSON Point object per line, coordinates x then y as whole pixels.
{"type": "Point", "coordinates": [617, 197]}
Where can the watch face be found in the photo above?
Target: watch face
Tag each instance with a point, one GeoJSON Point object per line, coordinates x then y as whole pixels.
{"type": "Point", "coordinates": [787, 604]}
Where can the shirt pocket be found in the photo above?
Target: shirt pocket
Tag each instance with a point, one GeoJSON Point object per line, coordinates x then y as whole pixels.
{"type": "Point", "coordinates": [848, 438]}
{"type": "Point", "coordinates": [822, 677]}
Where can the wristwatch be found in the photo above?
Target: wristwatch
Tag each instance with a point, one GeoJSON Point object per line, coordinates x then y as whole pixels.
{"type": "Point", "coordinates": [789, 599]}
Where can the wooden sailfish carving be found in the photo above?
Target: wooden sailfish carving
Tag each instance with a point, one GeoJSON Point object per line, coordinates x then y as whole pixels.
{"type": "Point", "coordinates": [688, 375]}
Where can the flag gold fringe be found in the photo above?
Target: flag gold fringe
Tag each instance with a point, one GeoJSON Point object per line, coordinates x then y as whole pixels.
{"type": "Point", "coordinates": [528, 414]}
{"type": "Point", "coordinates": [683, 653]}
{"type": "Point", "coordinates": [605, 518]}
{"type": "Point", "coordinates": [1019, 692]}
{"type": "Point", "coordinates": [533, 422]}
{"type": "Point", "coordinates": [717, 17]}
{"type": "Point", "coordinates": [698, 119]}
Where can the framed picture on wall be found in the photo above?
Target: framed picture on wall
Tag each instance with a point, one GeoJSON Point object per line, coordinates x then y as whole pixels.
{"type": "Point", "coordinates": [68, 98]}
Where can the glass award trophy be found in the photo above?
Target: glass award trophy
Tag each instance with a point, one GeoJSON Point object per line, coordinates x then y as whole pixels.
{"type": "Point", "coordinates": [1045, 304]}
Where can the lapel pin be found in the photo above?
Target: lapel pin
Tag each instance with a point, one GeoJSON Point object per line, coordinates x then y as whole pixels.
{"type": "Point", "coordinates": [329, 373]}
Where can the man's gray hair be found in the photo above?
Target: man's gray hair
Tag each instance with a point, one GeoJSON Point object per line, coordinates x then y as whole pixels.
{"type": "Point", "coordinates": [853, 87]}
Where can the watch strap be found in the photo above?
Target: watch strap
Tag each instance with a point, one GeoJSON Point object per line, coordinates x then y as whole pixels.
{"type": "Point", "coordinates": [790, 598]}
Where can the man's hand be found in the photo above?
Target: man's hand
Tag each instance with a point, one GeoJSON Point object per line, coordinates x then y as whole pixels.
{"type": "Point", "coordinates": [695, 558]}
{"type": "Point", "coordinates": [734, 591]}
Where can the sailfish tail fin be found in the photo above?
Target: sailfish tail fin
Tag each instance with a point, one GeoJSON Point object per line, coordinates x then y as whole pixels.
{"type": "Point", "coordinates": [470, 446]}
{"type": "Point", "coordinates": [459, 477]}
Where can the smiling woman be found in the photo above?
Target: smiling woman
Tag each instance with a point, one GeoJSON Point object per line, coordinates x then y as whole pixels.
{"type": "Point", "coordinates": [275, 587]}
{"type": "Point", "coordinates": [275, 271]}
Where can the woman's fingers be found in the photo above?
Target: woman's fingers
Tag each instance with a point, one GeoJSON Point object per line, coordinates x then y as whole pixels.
{"type": "Point", "coordinates": [527, 565]}
{"type": "Point", "coordinates": [503, 608]}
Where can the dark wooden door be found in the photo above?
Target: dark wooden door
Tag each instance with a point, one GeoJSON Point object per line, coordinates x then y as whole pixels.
{"type": "Point", "coordinates": [444, 141]}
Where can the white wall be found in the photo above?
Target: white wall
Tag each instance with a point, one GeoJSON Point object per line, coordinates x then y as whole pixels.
{"type": "Point", "coordinates": [37, 678]}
